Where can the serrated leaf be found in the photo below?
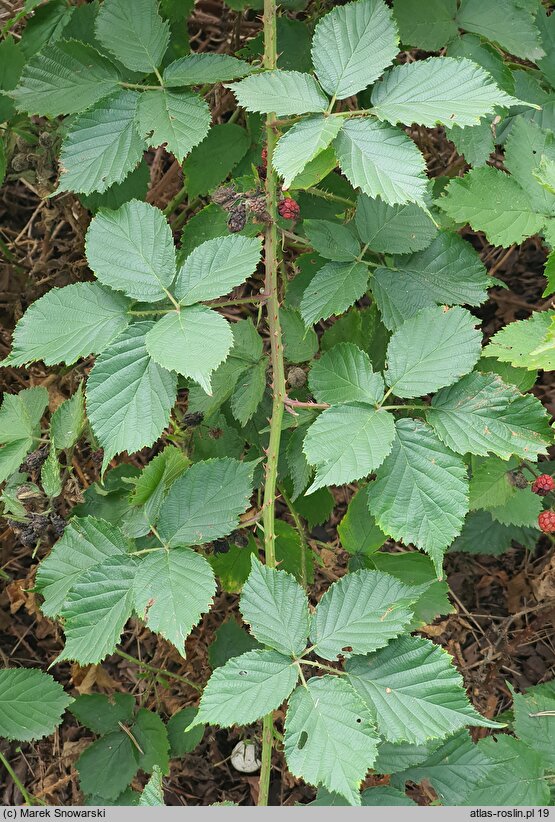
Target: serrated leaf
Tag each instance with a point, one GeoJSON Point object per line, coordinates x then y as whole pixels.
{"type": "Point", "coordinates": [452, 769]}
{"type": "Point", "coordinates": [348, 442]}
{"type": "Point", "coordinates": [134, 32]}
{"type": "Point", "coordinates": [360, 613]}
{"type": "Point", "coordinates": [50, 478]}
{"type": "Point", "coordinates": [102, 146]}
{"type": "Point", "coordinates": [300, 343]}
{"type": "Point", "coordinates": [481, 415]}
{"type": "Point", "coordinates": [394, 757]}
{"type": "Point", "coordinates": [332, 290]}
{"type": "Point", "coordinates": [393, 229]}
{"type": "Point", "coordinates": [414, 691]}
{"type": "Point", "coordinates": [521, 378]}
{"type": "Point", "coordinates": [179, 119]}
{"type": "Point", "coordinates": [96, 609]}
{"type": "Point", "coordinates": [358, 531]}
{"type": "Point", "coordinates": [521, 509]}
{"type": "Point", "coordinates": [215, 267]}
{"type": "Point", "coordinates": [440, 90]}
{"type": "Point", "coordinates": [132, 250]}
{"type": "Point", "coordinates": [31, 704]}
{"type": "Point", "coordinates": [195, 69]}
{"type": "Point", "coordinates": [492, 202]}
{"type": "Point", "coordinates": [69, 323]}
{"type": "Point", "coordinates": [301, 144]}
{"type": "Point", "coordinates": [86, 543]}
{"type": "Point", "coordinates": [327, 722]}
{"type": "Point", "coordinates": [524, 147]}
{"type": "Point", "coordinates": [517, 342]}
{"type": "Point", "coordinates": [516, 775]}
{"type": "Point", "coordinates": [382, 161]}
{"type": "Point", "coordinates": [65, 78]}
{"type": "Point", "coordinates": [344, 374]}
{"type": "Point", "coordinates": [475, 144]}
{"type": "Point", "coordinates": [352, 45]}
{"type": "Point", "coordinates": [172, 589]}
{"type": "Point", "coordinates": [20, 417]}
{"type": "Point", "coordinates": [129, 397]}
{"type": "Point", "coordinates": [108, 765]}
{"type": "Point", "coordinates": [193, 342]}
{"type": "Point", "coordinates": [153, 794]}
{"type": "Point", "coordinates": [428, 27]}
{"type": "Point", "coordinates": [249, 391]}
{"type": "Point", "coordinates": [283, 92]}
{"type": "Point", "coordinates": [534, 714]}
{"type": "Point", "coordinates": [156, 478]}
{"type": "Point", "coordinates": [211, 161]}
{"type": "Point", "coordinates": [152, 738]}
{"type": "Point", "coordinates": [68, 420]}
{"type": "Point", "coordinates": [205, 502]}
{"type": "Point", "coordinates": [276, 608]}
{"type": "Point", "coordinates": [489, 483]}
{"type": "Point", "coordinates": [101, 713]}
{"type": "Point", "coordinates": [482, 534]}
{"type": "Point", "coordinates": [246, 688]}
{"type": "Point", "coordinates": [183, 741]}
{"type": "Point", "coordinates": [506, 23]}
{"type": "Point", "coordinates": [432, 350]}
{"type": "Point", "coordinates": [421, 491]}
{"type": "Point", "coordinates": [385, 796]}
{"type": "Point", "coordinates": [414, 568]}
{"type": "Point", "coordinates": [332, 240]}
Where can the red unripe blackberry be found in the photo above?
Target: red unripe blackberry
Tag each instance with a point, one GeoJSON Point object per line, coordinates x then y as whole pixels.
{"type": "Point", "coordinates": [543, 485]}
{"type": "Point", "coordinates": [288, 209]}
{"type": "Point", "coordinates": [546, 522]}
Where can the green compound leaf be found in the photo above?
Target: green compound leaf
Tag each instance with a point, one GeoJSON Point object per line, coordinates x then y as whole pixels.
{"type": "Point", "coordinates": [475, 144]}
{"type": "Point", "coordinates": [69, 323]}
{"type": "Point", "coordinates": [440, 90]}
{"type": "Point", "coordinates": [96, 610]}
{"type": "Point", "coordinates": [215, 267]}
{"type": "Point", "coordinates": [348, 442]}
{"type": "Point", "coordinates": [358, 531]}
{"type": "Point", "coordinates": [516, 777]}
{"type": "Point", "coordinates": [195, 69]}
{"type": "Point", "coordinates": [86, 542]}
{"type": "Point", "coordinates": [352, 45]}
{"type": "Point", "coordinates": [432, 350]}
{"type": "Point", "coordinates": [492, 202]}
{"type": "Point", "coordinates": [301, 144]}
{"type": "Point", "coordinates": [332, 240]}
{"type": "Point", "coordinates": [102, 714]}
{"type": "Point", "coordinates": [276, 608]}
{"type": "Point", "coordinates": [517, 342]}
{"type": "Point", "coordinates": [108, 765]}
{"type": "Point", "coordinates": [205, 502]}
{"type": "Point", "coordinates": [150, 732]}
{"type": "Point", "coordinates": [179, 119]}
{"type": "Point", "coordinates": [526, 143]}
{"type": "Point", "coordinates": [68, 420]}
{"type": "Point", "coordinates": [393, 229]}
{"type": "Point", "coordinates": [344, 374]}
{"type": "Point", "coordinates": [421, 491]}
{"type": "Point", "coordinates": [429, 26]}
{"type": "Point", "coordinates": [382, 161]}
{"type": "Point", "coordinates": [193, 342]}
{"type": "Point", "coordinates": [211, 161]}
{"type": "Point", "coordinates": [172, 589]}
{"type": "Point", "coordinates": [361, 613]}
{"type": "Point", "coordinates": [327, 722]}
{"type": "Point", "coordinates": [482, 534]}
{"type": "Point", "coordinates": [129, 397]}
{"type": "Point", "coordinates": [65, 78]}
{"type": "Point", "coordinates": [102, 146]}
{"type": "Point", "coordinates": [132, 250]}
{"type": "Point", "coordinates": [534, 712]}
{"type": "Point", "coordinates": [20, 417]}
{"type": "Point", "coordinates": [283, 92]}
{"type": "Point", "coordinates": [481, 415]}
{"type": "Point", "coordinates": [414, 691]}
{"type": "Point", "coordinates": [489, 483]}
{"type": "Point", "coordinates": [246, 688]}
{"type": "Point", "coordinates": [453, 769]}
{"type": "Point", "coordinates": [134, 32]}
{"type": "Point", "coordinates": [31, 704]}
{"type": "Point", "coordinates": [249, 391]}
{"type": "Point", "coordinates": [508, 23]}
{"type": "Point", "coordinates": [334, 288]}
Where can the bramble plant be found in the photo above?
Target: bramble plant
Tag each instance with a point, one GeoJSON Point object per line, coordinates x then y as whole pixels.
{"type": "Point", "coordinates": [330, 215]}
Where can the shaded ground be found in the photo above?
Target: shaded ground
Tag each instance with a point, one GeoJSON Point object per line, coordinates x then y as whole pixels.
{"type": "Point", "coordinates": [502, 631]}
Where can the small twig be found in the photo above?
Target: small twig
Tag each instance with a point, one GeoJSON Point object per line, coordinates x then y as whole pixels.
{"type": "Point", "coordinates": [158, 671]}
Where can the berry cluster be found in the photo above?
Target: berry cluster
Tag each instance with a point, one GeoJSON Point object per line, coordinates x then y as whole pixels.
{"type": "Point", "coordinates": [543, 485]}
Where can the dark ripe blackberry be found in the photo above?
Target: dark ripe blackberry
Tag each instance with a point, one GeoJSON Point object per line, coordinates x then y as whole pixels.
{"type": "Point", "coordinates": [239, 538]}
{"type": "Point", "coordinates": [257, 206]}
{"type": "Point", "coordinates": [296, 377]}
{"type": "Point", "coordinates": [45, 139]}
{"type": "Point", "coordinates": [58, 524]}
{"type": "Point", "coordinates": [220, 546]}
{"type": "Point", "coordinates": [237, 218]}
{"type": "Point", "coordinates": [39, 523]}
{"type": "Point", "coordinates": [192, 420]}
{"type": "Point", "coordinates": [20, 162]}
{"type": "Point", "coordinates": [35, 459]}
{"type": "Point", "coordinates": [225, 196]}
{"type": "Point", "coordinates": [27, 536]}
{"type": "Point", "coordinates": [517, 479]}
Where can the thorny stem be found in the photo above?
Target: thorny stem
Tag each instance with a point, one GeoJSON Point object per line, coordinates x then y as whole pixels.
{"type": "Point", "coordinates": [153, 670]}
{"type": "Point", "coordinates": [278, 369]}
